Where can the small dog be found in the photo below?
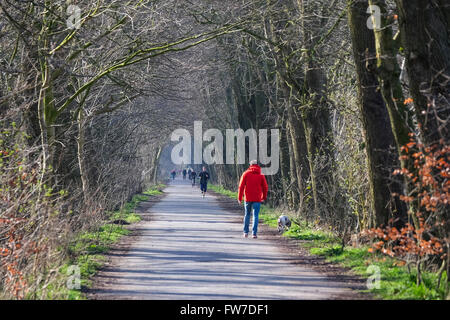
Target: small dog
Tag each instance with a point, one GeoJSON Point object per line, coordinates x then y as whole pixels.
{"type": "Point", "coordinates": [283, 223]}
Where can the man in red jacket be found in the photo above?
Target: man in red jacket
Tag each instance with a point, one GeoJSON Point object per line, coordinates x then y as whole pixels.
{"type": "Point", "coordinates": [253, 186]}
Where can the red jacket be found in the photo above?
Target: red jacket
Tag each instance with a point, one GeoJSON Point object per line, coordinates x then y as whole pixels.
{"type": "Point", "coordinates": [253, 185]}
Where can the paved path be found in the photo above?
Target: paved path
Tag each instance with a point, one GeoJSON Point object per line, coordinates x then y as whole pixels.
{"type": "Point", "coordinates": [194, 249]}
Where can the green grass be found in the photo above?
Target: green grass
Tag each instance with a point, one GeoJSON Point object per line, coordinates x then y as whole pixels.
{"type": "Point", "coordinates": [88, 249]}
{"type": "Point", "coordinates": [127, 213]}
{"type": "Point", "coordinates": [222, 190]}
{"type": "Point", "coordinates": [155, 190]}
{"type": "Point", "coordinates": [396, 283]}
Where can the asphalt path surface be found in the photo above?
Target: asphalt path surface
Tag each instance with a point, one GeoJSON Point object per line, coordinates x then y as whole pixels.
{"type": "Point", "coordinates": [191, 248]}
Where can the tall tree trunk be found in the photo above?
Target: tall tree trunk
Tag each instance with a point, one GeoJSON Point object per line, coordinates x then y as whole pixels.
{"type": "Point", "coordinates": [284, 164]}
{"type": "Point", "coordinates": [82, 166]}
{"type": "Point", "coordinates": [299, 165]}
{"type": "Point", "coordinates": [318, 132]}
{"type": "Point", "coordinates": [47, 112]}
{"type": "Point", "coordinates": [388, 72]}
{"type": "Point", "coordinates": [293, 173]}
{"type": "Point", "coordinates": [425, 37]}
{"type": "Point", "coordinates": [425, 33]}
{"type": "Point", "coordinates": [316, 115]}
{"type": "Point", "coordinates": [155, 164]}
{"type": "Point", "coordinates": [379, 140]}
{"type": "Point", "coordinates": [299, 148]}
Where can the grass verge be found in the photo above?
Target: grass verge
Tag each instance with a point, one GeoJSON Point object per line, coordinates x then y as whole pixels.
{"type": "Point", "coordinates": [396, 282]}
{"type": "Point", "coordinates": [87, 251]}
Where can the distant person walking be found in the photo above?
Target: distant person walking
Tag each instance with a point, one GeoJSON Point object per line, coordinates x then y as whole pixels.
{"type": "Point", "coordinates": [193, 176]}
{"type": "Point", "coordinates": [253, 186]}
{"type": "Point", "coordinates": [173, 173]}
{"type": "Point", "coordinates": [204, 177]}
{"type": "Point", "coordinates": [184, 174]}
{"type": "Point", "coordinates": [189, 174]}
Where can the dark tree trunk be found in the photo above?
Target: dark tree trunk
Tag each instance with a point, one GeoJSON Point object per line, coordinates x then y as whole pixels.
{"type": "Point", "coordinates": [388, 73]}
{"type": "Point", "coordinates": [284, 164]}
{"type": "Point", "coordinates": [380, 143]}
{"type": "Point", "coordinates": [295, 196]}
{"type": "Point", "coordinates": [425, 37]}
{"type": "Point", "coordinates": [316, 113]}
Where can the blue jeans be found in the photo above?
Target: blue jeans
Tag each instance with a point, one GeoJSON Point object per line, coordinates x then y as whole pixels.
{"type": "Point", "coordinates": [248, 209]}
{"type": "Point", "coordinates": [203, 186]}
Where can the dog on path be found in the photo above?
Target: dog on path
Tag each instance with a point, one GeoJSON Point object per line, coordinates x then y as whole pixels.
{"type": "Point", "coordinates": [284, 223]}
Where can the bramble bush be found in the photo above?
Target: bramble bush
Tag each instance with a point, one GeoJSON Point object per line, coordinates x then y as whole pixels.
{"type": "Point", "coordinates": [424, 240]}
{"type": "Point", "coordinates": [31, 223]}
